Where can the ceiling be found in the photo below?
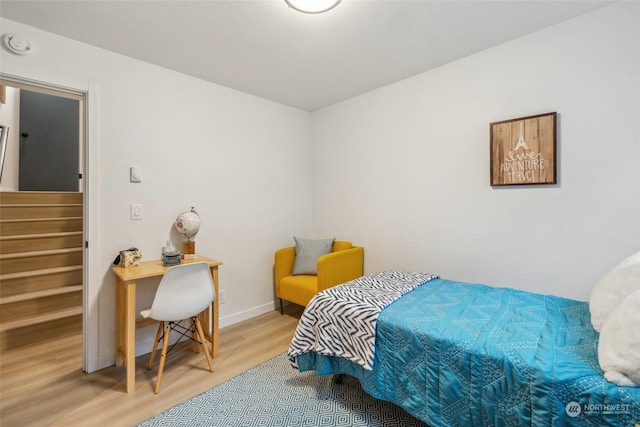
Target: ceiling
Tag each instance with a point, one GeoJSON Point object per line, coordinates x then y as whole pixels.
{"type": "Point", "coordinates": [306, 61]}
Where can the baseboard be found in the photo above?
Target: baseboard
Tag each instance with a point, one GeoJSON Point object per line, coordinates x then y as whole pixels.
{"type": "Point", "coordinates": [245, 315]}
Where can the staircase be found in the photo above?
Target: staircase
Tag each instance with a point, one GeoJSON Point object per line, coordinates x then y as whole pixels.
{"type": "Point", "coordinates": [41, 260]}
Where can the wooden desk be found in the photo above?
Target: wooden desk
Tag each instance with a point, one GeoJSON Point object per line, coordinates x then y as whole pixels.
{"type": "Point", "coordinates": [126, 311]}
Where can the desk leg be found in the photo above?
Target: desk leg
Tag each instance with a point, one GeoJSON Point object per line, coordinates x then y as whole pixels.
{"type": "Point", "coordinates": [126, 330]}
{"type": "Point", "coordinates": [215, 320]}
{"type": "Point", "coordinates": [211, 333]}
{"type": "Point", "coordinates": [119, 322]}
{"type": "Point", "coordinates": [130, 336]}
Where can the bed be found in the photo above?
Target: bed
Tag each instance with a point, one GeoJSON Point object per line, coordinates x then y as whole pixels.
{"type": "Point", "coordinates": [461, 354]}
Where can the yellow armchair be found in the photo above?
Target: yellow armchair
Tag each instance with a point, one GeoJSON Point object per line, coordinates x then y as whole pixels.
{"type": "Point", "coordinates": [344, 263]}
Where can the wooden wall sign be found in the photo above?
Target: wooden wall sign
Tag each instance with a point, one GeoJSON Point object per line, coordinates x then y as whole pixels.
{"type": "Point", "coordinates": [523, 150]}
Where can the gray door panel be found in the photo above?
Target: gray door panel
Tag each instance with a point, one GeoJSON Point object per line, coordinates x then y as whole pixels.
{"type": "Point", "coordinates": [49, 142]}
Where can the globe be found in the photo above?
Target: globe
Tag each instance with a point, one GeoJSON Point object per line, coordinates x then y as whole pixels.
{"type": "Point", "coordinates": [188, 223]}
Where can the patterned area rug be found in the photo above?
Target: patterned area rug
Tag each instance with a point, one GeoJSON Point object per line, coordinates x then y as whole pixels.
{"type": "Point", "coordinates": [274, 394]}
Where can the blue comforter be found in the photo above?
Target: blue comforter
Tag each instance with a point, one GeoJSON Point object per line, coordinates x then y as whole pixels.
{"type": "Point", "coordinates": [459, 354]}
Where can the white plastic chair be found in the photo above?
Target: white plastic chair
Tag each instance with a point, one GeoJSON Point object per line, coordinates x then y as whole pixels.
{"type": "Point", "coordinates": [184, 291]}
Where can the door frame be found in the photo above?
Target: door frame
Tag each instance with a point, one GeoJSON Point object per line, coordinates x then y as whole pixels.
{"type": "Point", "coordinates": [88, 163]}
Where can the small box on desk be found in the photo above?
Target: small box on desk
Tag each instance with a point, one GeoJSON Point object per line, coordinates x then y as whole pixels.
{"type": "Point", "coordinates": [171, 258]}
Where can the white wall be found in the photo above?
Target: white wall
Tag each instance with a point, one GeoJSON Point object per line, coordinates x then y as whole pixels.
{"type": "Point", "coordinates": [242, 161]}
{"type": "Point", "coordinates": [404, 170]}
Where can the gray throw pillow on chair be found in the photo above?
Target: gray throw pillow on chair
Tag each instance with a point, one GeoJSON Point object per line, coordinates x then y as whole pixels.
{"type": "Point", "coordinates": [307, 253]}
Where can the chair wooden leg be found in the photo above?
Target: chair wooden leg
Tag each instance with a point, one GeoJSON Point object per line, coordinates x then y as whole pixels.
{"type": "Point", "coordinates": [204, 342]}
{"type": "Point", "coordinates": [163, 356]}
{"type": "Point", "coordinates": [194, 335]}
{"type": "Point", "coordinates": [281, 308]}
{"type": "Point", "coordinates": [155, 345]}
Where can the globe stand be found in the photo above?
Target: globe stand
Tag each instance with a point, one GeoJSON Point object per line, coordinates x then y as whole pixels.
{"type": "Point", "coordinates": [189, 247]}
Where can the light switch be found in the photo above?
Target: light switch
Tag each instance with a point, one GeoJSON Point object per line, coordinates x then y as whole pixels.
{"type": "Point", "coordinates": [137, 211]}
{"type": "Point", "coordinates": [136, 174]}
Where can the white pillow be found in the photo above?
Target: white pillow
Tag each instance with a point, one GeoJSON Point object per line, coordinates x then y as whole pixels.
{"type": "Point", "coordinates": [619, 345]}
{"type": "Point", "coordinates": [622, 281]}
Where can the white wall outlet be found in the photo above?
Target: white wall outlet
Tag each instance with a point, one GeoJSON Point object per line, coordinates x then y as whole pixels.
{"type": "Point", "coordinates": [221, 299]}
{"type": "Point", "coordinates": [136, 211]}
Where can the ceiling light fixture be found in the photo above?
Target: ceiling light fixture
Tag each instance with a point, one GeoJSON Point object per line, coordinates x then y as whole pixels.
{"type": "Point", "coordinates": [312, 6]}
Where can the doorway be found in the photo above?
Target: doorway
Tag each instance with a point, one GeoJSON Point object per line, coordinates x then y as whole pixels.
{"type": "Point", "coordinates": [50, 136]}
{"type": "Point", "coordinates": [49, 148]}
{"type": "Point", "coordinates": [44, 156]}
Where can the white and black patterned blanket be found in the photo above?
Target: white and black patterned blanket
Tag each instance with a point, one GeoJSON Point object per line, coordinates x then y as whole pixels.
{"type": "Point", "coordinates": [341, 321]}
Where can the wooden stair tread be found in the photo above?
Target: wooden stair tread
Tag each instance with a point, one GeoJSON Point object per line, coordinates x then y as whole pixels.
{"type": "Point", "coordinates": [18, 220]}
{"type": "Point", "coordinates": [40, 318]}
{"type": "Point", "coordinates": [40, 294]}
{"type": "Point", "coordinates": [38, 205]}
{"type": "Point", "coordinates": [40, 253]}
{"type": "Point", "coordinates": [40, 197]}
{"type": "Point", "coordinates": [41, 235]}
{"type": "Point", "coordinates": [41, 272]}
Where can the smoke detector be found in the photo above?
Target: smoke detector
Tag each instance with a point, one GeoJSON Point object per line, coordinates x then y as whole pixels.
{"type": "Point", "coordinates": [17, 44]}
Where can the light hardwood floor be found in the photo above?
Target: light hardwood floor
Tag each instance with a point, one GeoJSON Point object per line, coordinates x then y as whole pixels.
{"type": "Point", "coordinates": [43, 385]}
